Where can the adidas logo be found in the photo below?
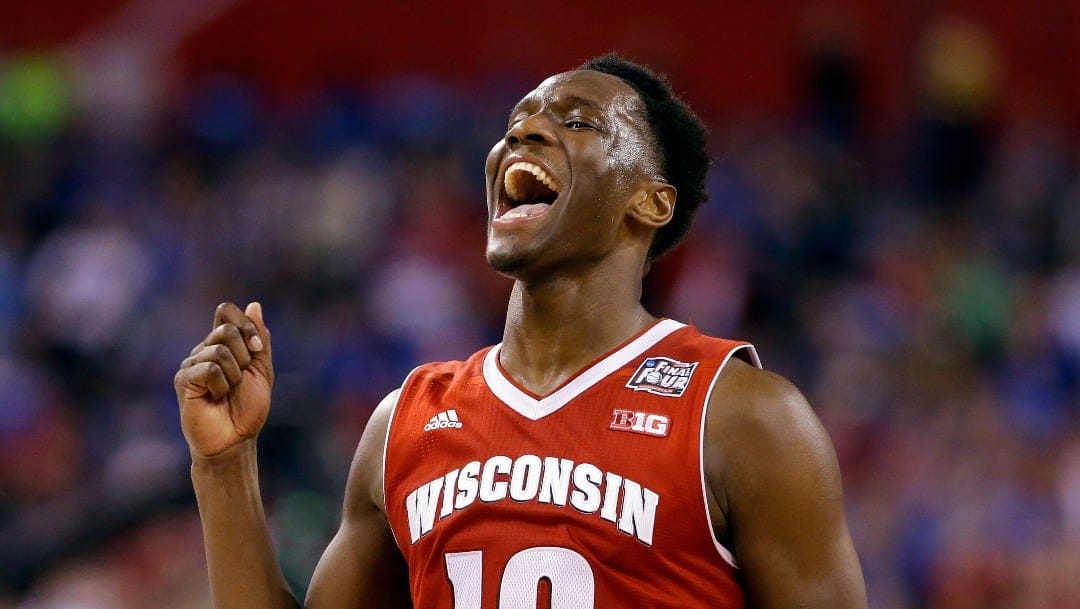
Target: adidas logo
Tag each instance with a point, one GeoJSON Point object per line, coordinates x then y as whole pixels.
{"type": "Point", "coordinates": [446, 419]}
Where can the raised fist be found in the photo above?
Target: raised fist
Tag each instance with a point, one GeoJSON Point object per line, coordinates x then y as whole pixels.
{"type": "Point", "coordinates": [223, 387]}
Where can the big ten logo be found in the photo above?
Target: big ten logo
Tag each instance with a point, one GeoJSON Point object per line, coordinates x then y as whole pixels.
{"type": "Point", "coordinates": [640, 422]}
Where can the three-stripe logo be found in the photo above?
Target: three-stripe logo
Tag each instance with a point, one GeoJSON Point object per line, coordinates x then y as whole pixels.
{"type": "Point", "coordinates": [446, 419]}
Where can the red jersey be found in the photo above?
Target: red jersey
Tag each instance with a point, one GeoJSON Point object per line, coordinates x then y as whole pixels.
{"type": "Point", "coordinates": [591, 496]}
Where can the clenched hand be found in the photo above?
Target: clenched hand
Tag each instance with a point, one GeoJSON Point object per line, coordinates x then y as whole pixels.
{"type": "Point", "coordinates": [223, 387]}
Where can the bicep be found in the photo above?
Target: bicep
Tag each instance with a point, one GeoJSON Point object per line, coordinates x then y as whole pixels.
{"type": "Point", "coordinates": [362, 566]}
{"type": "Point", "coordinates": [785, 506]}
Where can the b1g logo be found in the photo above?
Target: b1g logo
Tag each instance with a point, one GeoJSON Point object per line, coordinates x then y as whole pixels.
{"type": "Point", "coordinates": [662, 376]}
{"type": "Point", "coordinates": [640, 422]}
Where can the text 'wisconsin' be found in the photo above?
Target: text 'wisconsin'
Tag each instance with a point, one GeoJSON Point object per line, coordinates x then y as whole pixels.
{"type": "Point", "coordinates": [551, 480]}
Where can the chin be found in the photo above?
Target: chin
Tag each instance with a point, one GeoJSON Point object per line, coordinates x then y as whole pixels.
{"type": "Point", "coordinates": [506, 263]}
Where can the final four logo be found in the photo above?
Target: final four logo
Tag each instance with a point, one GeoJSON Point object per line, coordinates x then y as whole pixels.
{"type": "Point", "coordinates": [662, 376]}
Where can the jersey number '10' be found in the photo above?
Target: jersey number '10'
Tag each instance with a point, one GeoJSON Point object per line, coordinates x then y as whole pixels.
{"type": "Point", "coordinates": [571, 577]}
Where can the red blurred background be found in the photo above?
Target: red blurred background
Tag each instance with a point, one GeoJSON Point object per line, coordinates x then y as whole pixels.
{"type": "Point", "coordinates": [726, 56]}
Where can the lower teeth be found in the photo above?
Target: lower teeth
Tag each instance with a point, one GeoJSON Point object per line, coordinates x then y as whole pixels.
{"type": "Point", "coordinates": [524, 211]}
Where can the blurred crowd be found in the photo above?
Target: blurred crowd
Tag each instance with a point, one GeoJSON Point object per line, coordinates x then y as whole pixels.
{"type": "Point", "coordinates": [921, 287]}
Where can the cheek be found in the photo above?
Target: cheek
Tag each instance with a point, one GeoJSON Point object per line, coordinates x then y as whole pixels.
{"type": "Point", "coordinates": [625, 170]}
{"type": "Point", "coordinates": [629, 152]}
{"type": "Point", "coordinates": [627, 160]}
{"type": "Point", "coordinates": [491, 167]}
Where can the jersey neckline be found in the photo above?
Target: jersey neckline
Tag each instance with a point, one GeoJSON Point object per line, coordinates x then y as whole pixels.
{"type": "Point", "coordinates": [534, 407]}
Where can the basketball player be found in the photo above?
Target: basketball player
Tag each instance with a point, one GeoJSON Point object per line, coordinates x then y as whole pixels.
{"type": "Point", "coordinates": [597, 457]}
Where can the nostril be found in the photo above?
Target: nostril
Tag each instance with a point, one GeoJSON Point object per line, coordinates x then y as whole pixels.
{"type": "Point", "coordinates": [512, 139]}
{"type": "Point", "coordinates": [535, 137]}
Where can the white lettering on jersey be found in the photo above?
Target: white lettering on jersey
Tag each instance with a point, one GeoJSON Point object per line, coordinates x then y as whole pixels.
{"type": "Point", "coordinates": [550, 480]}
{"type": "Point", "coordinates": [448, 493]}
{"type": "Point", "coordinates": [555, 485]}
{"type": "Point", "coordinates": [638, 512]}
{"type": "Point", "coordinates": [612, 485]}
{"type": "Point", "coordinates": [490, 489]}
{"type": "Point", "coordinates": [468, 485]}
{"type": "Point", "coordinates": [525, 478]}
{"type": "Point", "coordinates": [421, 507]}
{"type": "Point", "coordinates": [586, 497]}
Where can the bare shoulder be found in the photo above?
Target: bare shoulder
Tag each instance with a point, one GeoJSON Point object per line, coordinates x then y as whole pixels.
{"type": "Point", "coordinates": [365, 485]}
{"type": "Point", "coordinates": [775, 478]}
{"type": "Point", "coordinates": [754, 412]}
{"type": "Point", "coordinates": [743, 389]}
{"type": "Point", "coordinates": [762, 438]}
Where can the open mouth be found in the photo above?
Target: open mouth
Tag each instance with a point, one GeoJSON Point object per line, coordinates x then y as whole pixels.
{"type": "Point", "coordinates": [528, 191]}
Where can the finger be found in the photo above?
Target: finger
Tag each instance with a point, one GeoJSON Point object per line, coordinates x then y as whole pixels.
{"type": "Point", "coordinates": [255, 313]}
{"type": "Point", "coordinates": [230, 336]}
{"type": "Point", "coordinates": [227, 312]}
{"type": "Point", "coordinates": [223, 357]}
{"type": "Point", "coordinates": [201, 379]}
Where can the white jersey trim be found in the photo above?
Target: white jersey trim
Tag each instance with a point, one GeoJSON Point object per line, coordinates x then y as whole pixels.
{"type": "Point", "coordinates": [536, 409]}
{"type": "Point", "coordinates": [386, 440]}
{"type": "Point", "coordinates": [725, 553]}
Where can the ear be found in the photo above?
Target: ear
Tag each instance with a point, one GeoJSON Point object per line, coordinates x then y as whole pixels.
{"type": "Point", "coordinates": [653, 205]}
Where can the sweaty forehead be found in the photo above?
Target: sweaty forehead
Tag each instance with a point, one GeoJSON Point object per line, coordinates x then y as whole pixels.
{"type": "Point", "coordinates": [585, 87]}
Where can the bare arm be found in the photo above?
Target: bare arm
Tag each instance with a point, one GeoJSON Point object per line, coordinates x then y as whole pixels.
{"type": "Point", "coordinates": [363, 567]}
{"type": "Point", "coordinates": [223, 389]}
{"type": "Point", "coordinates": [244, 571]}
{"type": "Point", "coordinates": [777, 494]}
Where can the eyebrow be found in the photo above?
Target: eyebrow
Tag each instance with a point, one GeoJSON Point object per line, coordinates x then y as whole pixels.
{"type": "Point", "coordinates": [574, 101]}
{"type": "Point", "coordinates": [577, 101]}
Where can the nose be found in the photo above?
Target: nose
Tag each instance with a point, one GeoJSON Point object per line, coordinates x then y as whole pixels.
{"type": "Point", "coordinates": [530, 130]}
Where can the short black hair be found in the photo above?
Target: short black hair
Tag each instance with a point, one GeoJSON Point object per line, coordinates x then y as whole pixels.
{"type": "Point", "coordinates": [680, 141]}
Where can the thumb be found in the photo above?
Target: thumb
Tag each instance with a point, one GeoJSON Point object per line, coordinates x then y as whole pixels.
{"type": "Point", "coordinates": [255, 313]}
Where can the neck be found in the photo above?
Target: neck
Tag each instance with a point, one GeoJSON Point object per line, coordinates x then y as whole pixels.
{"type": "Point", "coordinates": [558, 326]}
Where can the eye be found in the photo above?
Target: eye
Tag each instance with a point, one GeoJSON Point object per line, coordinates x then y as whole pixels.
{"type": "Point", "coordinates": [576, 124]}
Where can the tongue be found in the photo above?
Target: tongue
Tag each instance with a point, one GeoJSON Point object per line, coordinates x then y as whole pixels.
{"type": "Point", "coordinates": [525, 211]}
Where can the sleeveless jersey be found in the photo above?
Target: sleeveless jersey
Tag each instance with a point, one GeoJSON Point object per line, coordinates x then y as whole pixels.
{"type": "Point", "coordinates": [592, 496]}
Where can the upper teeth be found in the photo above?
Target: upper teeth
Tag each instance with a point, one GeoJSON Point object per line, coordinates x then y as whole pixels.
{"type": "Point", "coordinates": [512, 187]}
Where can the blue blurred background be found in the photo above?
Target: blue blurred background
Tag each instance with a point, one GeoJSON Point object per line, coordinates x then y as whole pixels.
{"type": "Point", "coordinates": [895, 222]}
